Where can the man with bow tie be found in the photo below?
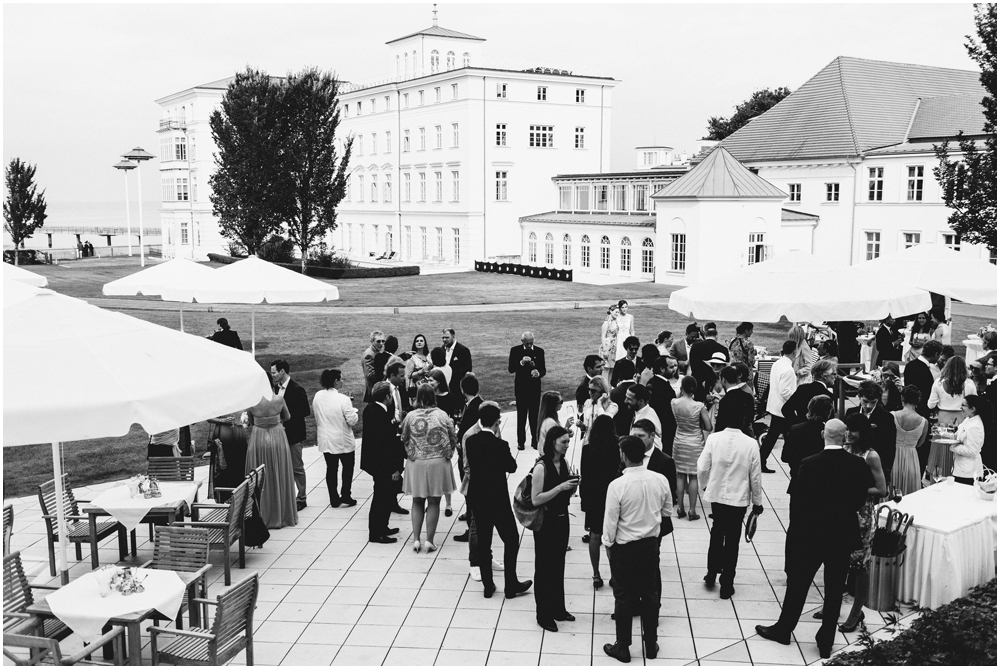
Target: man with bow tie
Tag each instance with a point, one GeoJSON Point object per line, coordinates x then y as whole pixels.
{"type": "Point", "coordinates": [527, 364]}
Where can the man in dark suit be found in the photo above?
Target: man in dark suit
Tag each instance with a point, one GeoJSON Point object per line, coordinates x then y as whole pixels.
{"type": "Point", "coordinates": [736, 402]}
{"type": "Point", "coordinates": [470, 416]}
{"type": "Point", "coordinates": [660, 394]}
{"type": "Point", "coordinates": [225, 336]}
{"type": "Point", "coordinates": [989, 411]}
{"type": "Point", "coordinates": [458, 357]}
{"type": "Point", "coordinates": [295, 427]}
{"type": "Point", "coordinates": [822, 530]}
{"type": "Point", "coordinates": [489, 463]}
{"type": "Point", "coordinates": [682, 347]}
{"type": "Point", "coordinates": [806, 439]}
{"type": "Point", "coordinates": [623, 419]}
{"type": "Point", "coordinates": [655, 459]}
{"type": "Point", "coordinates": [625, 369]}
{"type": "Point", "coordinates": [918, 373]}
{"type": "Point", "coordinates": [888, 341]}
{"type": "Point", "coordinates": [381, 456]}
{"type": "Point", "coordinates": [701, 352]}
{"type": "Point", "coordinates": [592, 366]}
{"type": "Point", "coordinates": [883, 425]}
{"type": "Point", "coordinates": [369, 371]}
{"type": "Point", "coordinates": [796, 408]}
{"type": "Point", "coordinates": [527, 364]}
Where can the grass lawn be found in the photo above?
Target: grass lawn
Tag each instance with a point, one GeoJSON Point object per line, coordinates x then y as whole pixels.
{"type": "Point", "coordinates": [312, 343]}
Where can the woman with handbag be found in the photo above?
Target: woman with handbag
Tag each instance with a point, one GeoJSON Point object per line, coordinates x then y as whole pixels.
{"type": "Point", "coordinates": [552, 487]}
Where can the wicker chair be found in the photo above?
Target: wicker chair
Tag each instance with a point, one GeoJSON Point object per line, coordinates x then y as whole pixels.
{"type": "Point", "coordinates": [223, 532]}
{"type": "Point", "coordinates": [8, 527]}
{"type": "Point", "coordinates": [77, 525]}
{"type": "Point", "coordinates": [17, 597]}
{"type": "Point", "coordinates": [41, 650]}
{"type": "Point", "coordinates": [231, 632]}
{"type": "Point", "coordinates": [183, 549]}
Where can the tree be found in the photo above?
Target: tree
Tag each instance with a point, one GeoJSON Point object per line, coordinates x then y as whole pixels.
{"type": "Point", "coordinates": [759, 102]}
{"type": "Point", "coordinates": [249, 188]}
{"type": "Point", "coordinates": [311, 115]}
{"type": "Point", "coordinates": [970, 185]}
{"type": "Point", "coordinates": [24, 208]}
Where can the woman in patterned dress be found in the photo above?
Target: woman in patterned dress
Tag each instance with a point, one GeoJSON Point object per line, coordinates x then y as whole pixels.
{"type": "Point", "coordinates": [609, 341]}
{"type": "Point", "coordinates": [689, 441]}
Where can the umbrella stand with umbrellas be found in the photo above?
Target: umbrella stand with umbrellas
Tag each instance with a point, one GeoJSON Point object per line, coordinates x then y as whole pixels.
{"type": "Point", "coordinates": [153, 280]}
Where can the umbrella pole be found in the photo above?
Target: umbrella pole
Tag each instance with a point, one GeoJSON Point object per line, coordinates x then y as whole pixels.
{"type": "Point", "coordinates": [60, 513]}
{"type": "Point", "coordinates": [253, 333]}
{"type": "Point", "coordinates": [182, 316]}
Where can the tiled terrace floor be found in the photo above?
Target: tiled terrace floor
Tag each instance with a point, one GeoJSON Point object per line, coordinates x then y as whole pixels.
{"type": "Point", "coordinates": [329, 597]}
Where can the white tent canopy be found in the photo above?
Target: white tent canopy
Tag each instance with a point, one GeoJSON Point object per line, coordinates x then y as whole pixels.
{"type": "Point", "coordinates": [154, 280]}
{"type": "Point", "coordinates": [11, 273]}
{"type": "Point", "coordinates": [798, 287]}
{"type": "Point", "coordinates": [940, 270]}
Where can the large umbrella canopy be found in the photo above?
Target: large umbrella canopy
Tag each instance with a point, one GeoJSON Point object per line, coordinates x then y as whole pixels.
{"type": "Point", "coordinates": [940, 270]}
{"type": "Point", "coordinates": [154, 280]}
{"type": "Point", "coordinates": [11, 273]}
{"type": "Point", "coordinates": [798, 287]}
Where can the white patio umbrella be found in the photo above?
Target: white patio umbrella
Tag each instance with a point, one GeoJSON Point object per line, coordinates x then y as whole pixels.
{"type": "Point", "coordinates": [940, 270]}
{"type": "Point", "coordinates": [798, 287]}
{"type": "Point", "coordinates": [253, 281]}
{"type": "Point", "coordinates": [11, 273]}
{"type": "Point", "coordinates": [153, 280]}
{"type": "Point", "coordinates": [151, 375]}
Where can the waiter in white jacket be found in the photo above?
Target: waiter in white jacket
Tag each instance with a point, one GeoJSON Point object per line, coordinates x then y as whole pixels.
{"type": "Point", "coordinates": [783, 383]}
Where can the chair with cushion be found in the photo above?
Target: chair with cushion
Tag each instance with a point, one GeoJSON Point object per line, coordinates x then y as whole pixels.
{"type": "Point", "coordinates": [183, 549]}
{"type": "Point", "coordinates": [226, 530]}
{"type": "Point", "coordinates": [8, 527]}
{"type": "Point", "coordinates": [77, 524]}
{"type": "Point", "coordinates": [231, 631]}
{"type": "Point", "coordinates": [17, 597]}
{"type": "Point", "coordinates": [37, 650]}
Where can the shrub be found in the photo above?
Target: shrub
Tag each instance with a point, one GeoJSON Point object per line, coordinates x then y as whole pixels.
{"type": "Point", "coordinates": [236, 249]}
{"type": "Point", "coordinates": [277, 249]}
{"type": "Point", "coordinates": [24, 257]}
{"type": "Point", "coordinates": [322, 257]}
{"type": "Point", "coordinates": [335, 272]}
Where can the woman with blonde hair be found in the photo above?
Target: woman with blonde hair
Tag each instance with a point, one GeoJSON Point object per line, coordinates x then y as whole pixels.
{"type": "Point", "coordinates": [548, 414]}
{"type": "Point", "coordinates": [804, 357]}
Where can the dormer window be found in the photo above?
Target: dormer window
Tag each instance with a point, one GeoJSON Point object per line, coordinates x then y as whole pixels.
{"type": "Point", "coordinates": [435, 61]}
{"type": "Point", "coordinates": [450, 60]}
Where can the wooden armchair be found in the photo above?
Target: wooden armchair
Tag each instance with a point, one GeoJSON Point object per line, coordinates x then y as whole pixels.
{"type": "Point", "coordinates": [223, 532]}
{"type": "Point", "coordinates": [169, 469]}
{"type": "Point", "coordinates": [17, 597]}
{"type": "Point", "coordinates": [41, 650]}
{"type": "Point", "coordinates": [8, 527]}
{"type": "Point", "coordinates": [231, 632]}
{"type": "Point", "coordinates": [183, 549]}
{"type": "Point", "coordinates": [77, 524]}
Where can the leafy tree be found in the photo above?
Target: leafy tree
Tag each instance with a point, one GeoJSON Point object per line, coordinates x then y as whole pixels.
{"type": "Point", "coordinates": [249, 188]}
{"type": "Point", "coordinates": [24, 208]}
{"type": "Point", "coordinates": [311, 115]}
{"type": "Point", "coordinates": [762, 100]}
{"type": "Point", "coordinates": [970, 185]}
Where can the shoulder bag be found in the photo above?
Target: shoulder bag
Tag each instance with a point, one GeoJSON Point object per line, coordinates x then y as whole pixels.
{"type": "Point", "coordinates": [529, 515]}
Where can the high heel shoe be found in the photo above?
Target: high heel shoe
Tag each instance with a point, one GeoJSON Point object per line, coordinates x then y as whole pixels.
{"type": "Point", "coordinates": [416, 546]}
{"type": "Point", "coordinates": [693, 516]}
{"type": "Point", "coordinates": [598, 583]}
{"type": "Point", "coordinates": [681, 513]}
{"type": "Point", "coordinates": [847, 629]}
{"type": "Point", "coordinates": [429, 547]}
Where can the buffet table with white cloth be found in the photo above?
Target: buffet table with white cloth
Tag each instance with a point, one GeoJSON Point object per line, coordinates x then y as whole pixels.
{"type": "Point", "coordinates": [951, 546]}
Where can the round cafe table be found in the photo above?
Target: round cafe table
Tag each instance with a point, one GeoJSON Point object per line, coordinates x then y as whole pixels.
{"type": "Point", "coordinates": [940, 456]}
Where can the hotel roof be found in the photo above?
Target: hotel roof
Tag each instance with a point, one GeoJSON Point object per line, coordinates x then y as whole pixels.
{"type": "Point", "coordinates": [944, 116]}
{"type": "Point", "coordinates": [625, 220]}
{"type": "Point", "coordinates": [438, 31]}
{"type": "Point", "coordinates": [720, 176]}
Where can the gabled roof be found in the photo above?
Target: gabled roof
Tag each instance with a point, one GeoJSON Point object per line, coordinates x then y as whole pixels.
{"type": "Point", "coordinates": [438, 31]}
{"type": "Point", "coordinates": [849, 107]}
{"type": "Point", "coordinates": [720, 175]}
{"type": "Point", "coordinates": [945, 116]}
{"type": "Point", "coordinates": [220, 84]}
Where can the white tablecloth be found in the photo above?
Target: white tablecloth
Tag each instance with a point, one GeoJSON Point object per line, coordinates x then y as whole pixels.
{"type": "Point", "coordinates": [951, 546]}
{"type": "Point", "coordinates": [80, 605]}
{"type": "Point", "coordinates": [866, 351]}
{"type": "Point", "coordinates": [129, 511]}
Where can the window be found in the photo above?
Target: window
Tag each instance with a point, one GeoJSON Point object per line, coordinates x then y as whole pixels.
{"type": "Point", "coordinates": [420, 95]}
{"type": "Point", "coordinates": [873, 244]}
{"type": "Point", "coordinates": [647, 256]}
{"type": "Point", "coordinates": [408, 242]}
{"type": "Point", "coordinates": [466, 59]}
{"type": "Point", "coordinates": [626, 254]}
{"type": "Point", "coordinates": [910, 239]}
{"type": "Point", "coordinates": [915, 183]}
{"type": "Point", "coordinates": [387, 189]}
{"type": "Point", "coordinates": [678, 253]}
{"type": "Point", "coordinates": [501, 179]}
{"type": "Point", "coordinates": [640, 191]}
{"type": "Point", "coordinates": [456, 241]}
{"type": "Point", "coordinates": [386, 106]}
{"type": "Point", "coordinates": [373, 105]}
{"type": "Point", "coordinates": [454, 134]}
{"type": "Point", "coordinates": [435, 61]}
{"type": "Point", "coordinates": [437, 137]}
{"type": "Point", "coordinates": [605, 252]}
{"type": "Point", "coordinates": [502, 91]}
{"type": "Point", "coordinates": [361, 188]}
{"type": "Point", "coordinates": [423, 187]}
{"type": "Point", "coordinates": [501, 134]}
{"type": "Point", "coordinates": [585, 251]}
{"type": "Point", "coordinates": [532, 248]}
{"type": "Point", "coordinates": [388, 240]}
{"type": "Point", "coordinates": [833, 192]}
{"type": "Point", "coordinates": [406, 141]}
{"type": "Point", "coordinates": [795, 192]}
{"type": "Point", "coordinates": [543, 92]}
{"type": "Point", "coordinates": [406, 187]}
{"type": "Point", "coordinates": [180, 148]}
{"type": "Point", "coordinates": [374, 143]}
{"type": "Point", "coordinates": [455, 187]}
{"type": "Point", "coordinates": [454, 91]}
{"type": "Point", "coordinates": [182, 189]}
{"type": "Point", "coordinates": [578, 138]}
{"type": "Point", "coordinates": [406, 65]}
{"type": "Point", "coordinates": [359, 107]}
{"type": "Point", "coordinates": [580, 93]}
{"type": "Point", "coordinates": [347, 110]}
{"type": "Point", "coordinates": [374, 189]}
{"type": "Point", "coordinates": [406, 100]}
{"type": "Point", "coordinates": [423, 243]}
{"type": "Point", "coordinates": [388, 142]}
{"type": "Point", "coordinates": [361, 232]}
{"type": "Point", "coordinates": [449, 61]}
{"type": "Point", "coordinates": [375, 236]}
{"type": "Point", "coordinates": [550, 253]}
{"type": "Point", "coordinates": [438, 187]}
{"type": "Point", "coordinates": [167, 193]}
{"type": "Point", "coordinates": [875, 184]}
{"type": "Point", "coordinates": [583, 198]}
{"type": "Point", "coordinates": [601, 197]}
{"type": "Point", "coordinates": [423, 138]}
{"type": "Point", "coordinates": [440, 242]}
{"type": "Point", "coordinates": [618, 198]}
{"type": "Point", "coordinates": [540, 136]}
{"type": "Point", "coordinates": [567, 251]}
{"type": "Point", "coordinates": [566, 198]}
{"type": "Point", "coordinates": [437, 94]}
{"type": "Point", "coordinates": [184, 233]}
{"type": "Point", "coordinates": [756, 251]}
{"type": "Point", "coordinates": [649, 158]}
{"type": "Point", "coordinates": [361, 144]}
{"type": "Point", "coordinates": [951, 241]}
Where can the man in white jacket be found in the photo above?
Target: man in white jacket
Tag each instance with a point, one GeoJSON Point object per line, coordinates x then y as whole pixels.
{"type": "Point", "coordinates": [335, 417]}
{"type": "Point", "coordinates": [783, 383]}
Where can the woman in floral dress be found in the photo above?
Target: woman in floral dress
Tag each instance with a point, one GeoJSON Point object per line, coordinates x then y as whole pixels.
{"type": "Point", "coordinates": [609, 341]}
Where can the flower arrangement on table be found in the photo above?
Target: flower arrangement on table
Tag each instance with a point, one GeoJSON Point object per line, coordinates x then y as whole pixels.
{"type": "Point", "coordinates": [986, 328]}
{"type": "Point", "coordinates": [145, 486]}
{"type": "Point", "coordinates": [124, 580]}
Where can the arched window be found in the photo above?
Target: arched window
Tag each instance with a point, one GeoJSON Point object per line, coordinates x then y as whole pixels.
{"type": "Point", "coordinates": [361, 233]}
{"type": "Point", "coordinates": [450, 60]}
{"type": "Point", "coordinates": [585, 251]}
{"type": "Point", "coordinates": [374, 188]}
{"type": "Point", "coordinates": [605, 252]}
{"type": "Point", "coordinates": [397, 67]}
{"type": "Point", "coordinates": [466, 59]}
{"type": "Point", "coordinates": [406, 64]}
{"type": "Point", "coordinates": [626, 255]}
{"type": "Point", "coordinates": [567, 251]}
{"type": "Point", "coordinates": [435, 61]}
{"type": "Point", "coordinates": [647, 256]}
{"type": "Point", "coordinates": [375, 236]}
{"type": "Point", "coordinates": [532, 248]}
{"type": "Point", "coordinates": [550, 254]}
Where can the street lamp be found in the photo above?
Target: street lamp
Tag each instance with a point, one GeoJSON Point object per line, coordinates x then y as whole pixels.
{"type": "Point", "coordinates": [125, 166]}
{"type": "Point", "coordinates": [139, 155]}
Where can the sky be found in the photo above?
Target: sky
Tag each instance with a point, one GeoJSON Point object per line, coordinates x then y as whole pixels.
{"type": "Point", "coordinates": [80, 80]}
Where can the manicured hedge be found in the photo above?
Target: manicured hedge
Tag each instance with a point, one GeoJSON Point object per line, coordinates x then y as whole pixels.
{"type": "Point", "coordinates": [336, 272]}
{"type": "Point", "coordinates": [525, 270]}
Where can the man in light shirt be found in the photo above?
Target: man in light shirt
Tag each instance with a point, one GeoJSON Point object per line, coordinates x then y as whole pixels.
{"type": "Point", "coordinates": [335, 419]}
{"type": "Point", "coordinates": [729, 476]}
{"type": "Point", "coordinates": [783, 383]}
{"type": "Point", "coordinates": [637, 504]}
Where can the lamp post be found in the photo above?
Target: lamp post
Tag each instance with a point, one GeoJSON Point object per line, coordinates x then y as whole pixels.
{"type": "Point", "coordinates": [139, 155]}
{"type": "Point", "coordinates": [125, 166]}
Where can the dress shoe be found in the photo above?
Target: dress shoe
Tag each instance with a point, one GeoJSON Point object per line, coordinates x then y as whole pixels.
{"type": "Point", "coordinates": [475, 574]}
{"type": "Point", "coordinates": [489, 590]}
{"type": "Point", "coordinates": [635, 612]}
{"type": "Point", "coordinates": [300, 505]}
{"type": "Point", "coordinates": [766, 470]}
{"type": "Point", "coordinates": [825, 651]}
{"type": "Point", "coordinates": [586, 538]}
{"type": "Point", "coordinates": [710, 579]}
{"type": "Point", "coordinates": [565, 618]}
{"type": "Point", "coordinates": [333, 502]}
{"type": "Point", "coordinates": [726, 591]}
{"type": "Point", "coordinates": [652, 651]}
{"type": "Point", "coordinates": [382, 540]}
{"type": "Point", "coordinates": [346, 501]}
{"type": "Point", "coordinates": [847, 629]}
{"type": "Point", "coordinates": [548, 625]}
{"type": "Point", "coordinates": [392, 530]}
{"type": "Point", "coordinates": [464, 517]}
{"type": "Point", "coordinates": [818, 615]}
{"type": "Point", "coordinates": [463, 537]}
{"type": "Point", "coordinates": [448, 513]}
{"type": "Point", "coordinates": [401, 510]}
{"type": "Point", "coordinates": [521, 588]}
{"type": "Point", "coordinates": [520, 447]}
{"type": "Point", "coordinates": [620, 653]}
{"type": "Point", "coordinates": [771, 634]}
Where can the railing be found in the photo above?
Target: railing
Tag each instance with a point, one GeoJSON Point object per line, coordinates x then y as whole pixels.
{"type": "Point", "coordinates": [172, 124]}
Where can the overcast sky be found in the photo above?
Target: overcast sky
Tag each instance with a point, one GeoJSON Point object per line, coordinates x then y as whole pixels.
{"type": "Point", "coordinates": [80, 80]}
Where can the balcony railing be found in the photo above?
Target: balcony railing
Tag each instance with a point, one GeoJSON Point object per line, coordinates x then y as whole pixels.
{"type": "Point", "coordinates": [173, 124]}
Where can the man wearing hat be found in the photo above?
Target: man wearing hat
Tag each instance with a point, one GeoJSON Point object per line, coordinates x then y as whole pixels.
{"type": "Point", "coordinates": [700, 354]}
{"type": "Point", "coordinates": [223, 335]}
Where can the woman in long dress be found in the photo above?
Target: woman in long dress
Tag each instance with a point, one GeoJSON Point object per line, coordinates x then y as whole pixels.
{"type": "Point", "coordinates": [268, 445]}
{"type": "Point", "coordinates": [609, 341]}
{"type": "Point", "coordinates": [689, 441]}
{"type": "Point", "coordinates": [626, 328]}
{"type": "Point", "coordinates": [911, 432]}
